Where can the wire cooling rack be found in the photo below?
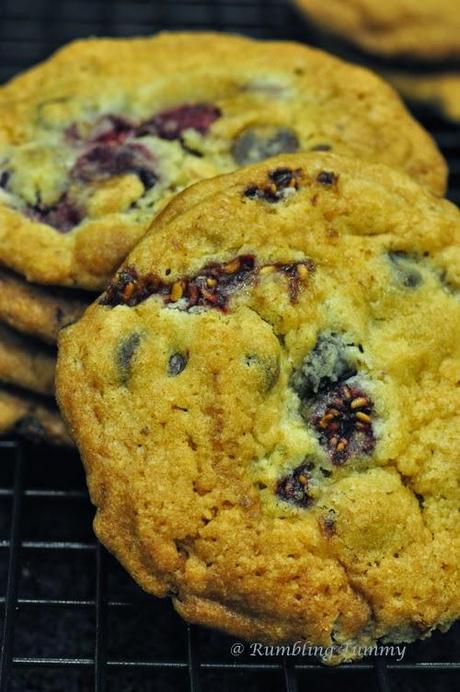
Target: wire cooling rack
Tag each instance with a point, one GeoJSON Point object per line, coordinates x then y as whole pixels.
{"type": "Point", "coordinates": [72, 619]}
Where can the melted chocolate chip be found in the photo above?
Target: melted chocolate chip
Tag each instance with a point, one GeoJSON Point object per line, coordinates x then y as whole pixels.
{"type": "Point", "coordinates": [293, 487]}
{"type": "Point", "coordinates": [404, 266]}
{"type": "Point", "coordinates": [256, 143]}
{"type": "Point", "coordinates": [321, 147]}
{"type": "Point", "coordinates": [327, 178]}
{"type": "Point", "coordinates": [330, 362]}
{"type": "Point", "coordinates": [177, 364]}
{"type": "Point", "coordinates": [343, 421]}
{"type": "Point", "coordinates": [172, 123]}
{"type": "Point", "coordinates": [124, 355]}
{"type": "Point", "coordinates": [63, 216]}
{"type": "Point", "coordinates": [212, 287]}
{"type": "Point", "coordinates": [280, 181]}
{"type": "Point", "coordinates": [4, 179]}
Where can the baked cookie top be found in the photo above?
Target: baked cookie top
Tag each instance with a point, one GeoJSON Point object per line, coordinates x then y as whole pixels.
{"type": "Point", "coordinates": [266, 401]}
{"type": "Point", "coordinates": [94, 141]}
{"type": "Point", "coordinates": [427, 29]}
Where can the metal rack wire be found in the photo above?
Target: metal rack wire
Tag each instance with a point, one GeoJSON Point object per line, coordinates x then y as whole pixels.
{"type": "Point", "coordinates": [71, 618]}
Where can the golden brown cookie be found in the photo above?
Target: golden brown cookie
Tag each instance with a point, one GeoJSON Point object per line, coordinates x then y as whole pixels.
{"type": "Point", "coordinates": [38, 310]}
{"type": "Point", "coordinates": [427, 29]}
{"type": "Point", "coordinates": [266, 401]}
{"type": "Point", "coordinates": [30, 417]}
{"type": "Point", "coordinates": [26, 362]}
{"type": "Point", "coordinates": [94, 141]}
{"type": "Point", "coordinates": [442, 91]}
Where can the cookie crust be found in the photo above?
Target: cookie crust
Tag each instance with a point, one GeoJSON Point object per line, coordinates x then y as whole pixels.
{"type": "Point", "coordinates": [26, 363]}
{"type": "Point", "coordinates": [95, 141]}
{"type": "Point", "coordinates": [205, 414]}
{"type": "Point", "coordinates": [29, 417]}
{"type": "Point", "coordinates": [37, 310]}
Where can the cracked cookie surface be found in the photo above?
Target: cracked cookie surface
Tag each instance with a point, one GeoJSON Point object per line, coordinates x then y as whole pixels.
{"type": "Point", "coordinates": [95, 141]}
{"type": "Point", "coordinates": [283, 463]}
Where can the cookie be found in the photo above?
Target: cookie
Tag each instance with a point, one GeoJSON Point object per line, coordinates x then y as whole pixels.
{"type": "Point", "coordinates": [266, 402]}
{"type": "Point", "coordinates": [26, 363]}
{"type": "Point", "coordinates": [29, 417]}
{"type": "Point", "coordinates": [425, 30]}
{"type": "Point", "coordinates": [37, 310]}
{"type": "Point", "coordinates": [95, 141]}
{"type": "Point", "coordinates": [441, 91]}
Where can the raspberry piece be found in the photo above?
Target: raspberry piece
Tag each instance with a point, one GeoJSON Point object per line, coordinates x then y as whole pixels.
{"type": "Point", "coordinates": [106, 160]}
{"type": "Point", "coordinates": [171, 123]}
{"type": "Point", "coordinates": [293, 487]}
{"type": "Point", "coordinates": [343, 419]}
{"type": "Point", "coordinates": [62, 216]}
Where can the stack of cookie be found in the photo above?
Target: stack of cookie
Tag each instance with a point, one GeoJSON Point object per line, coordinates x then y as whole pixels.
{"type": "Point", "coordinates": [94, 142]}
{"type": "Point", "coordinates": [245, 392]}
{"type": "Point", "coordinates": [30, 319]}
{"type": "Point", "coordinates": [413, 44]}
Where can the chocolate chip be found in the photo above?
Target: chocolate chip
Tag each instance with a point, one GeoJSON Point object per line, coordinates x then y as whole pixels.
{"type": "Point", "coordinates": [280, 182]}
{"type": "Point", "coordinates": [177, 364]}
{"type": "Point", "coordinates": [147, 177]}
{"type": "Point", "coordinates": [404, 266]}
{"type": "Point", "coordinates": [329, 362]}
{"type": "Point", "coordinates": [327, 178]}
{"type": "Point", "coordinates": [124, 355]}
{"type": "Point", "coordinates": [259, 143]}
{"type": "Point", "coordinates": [4, 179]}
{"type": "Point", "coordinates": [293, 487]}
{"type": "Point", "coordinates": [321, 147]}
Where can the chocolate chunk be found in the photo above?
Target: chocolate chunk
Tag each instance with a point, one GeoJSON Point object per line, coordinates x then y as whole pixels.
{"type": "Point", "coordinates": [4, 179]}
{"type": "Point", "coordinates": [321, 147]}
{"type": "Point", "coordinates": [293, 487]}
{"type": "Point", "coordinates": [258, 143]}
{"type": "Point", "coordinates": [331, 361]}
{"type": "Point", "coordinates": [281, 181]}
{"type": "Point", "coordinates": [404, 266]}
{"type": "Point", "coordinates": [177, 364]}
{"type": "Point", "coordinates": [327, 178]}
{"type": "Point", "coordinates": [124, 355]}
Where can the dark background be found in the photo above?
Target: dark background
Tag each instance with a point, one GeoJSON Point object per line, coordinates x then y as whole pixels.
{"type": "Point", "coordinates": [72, 620]}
